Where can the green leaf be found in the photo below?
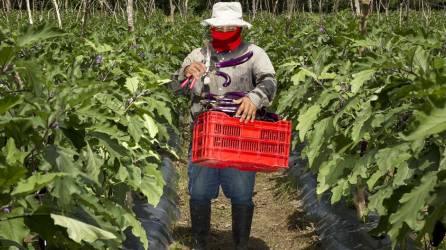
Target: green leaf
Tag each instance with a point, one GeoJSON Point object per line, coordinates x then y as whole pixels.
{"type": "Point", "coordinates": [38, 33]}
{"type": "Point", "coordinates": [112, 145]}
{"type": "Point", "coordinates": [93, 164]}
{"type": "Point", "coordinates": [9, 176]}
{"type": "Point", "coordinates": [134, 176]}
{"type": "Point", "coordinates": [326, 97]}
{"type": "Point", "coordinates": [135, 127]}
{"type": "Point", "coordinates": [322, 130]}
{"type": "Point", "coordinates": [300, 76]}
{"type": "Point", "coordinates": [360, 78]}
{"type": "Point", "coordinates": [433, 123]}
{"type": "Point", "coordinates": [31, 75]}
{"type": "Point", "coordinates": [6, 54]}
{"type": "Point", "coordinates": [376, 201]}
{"type": "Point", "coordinates": [9, 101]}
{"type": "Point", "coordinates": [13, 229]}
{"type": "Point", "coordinates": [420, 59]}
{"type": "Point", "coordinates": [13, 155]}
{"type": "Point", "coordinates": [152, 184]}
{"type": "Point", "coordinates": [80, 231]}
{"type": "Point", "coordinates": [362, 117]}
{"type": "Point", "coordinates": [122, 174]}
{"type": "Point", "coordinates": [161, 107]}
{"type": "Point", "coordinates": [111, 102]}
{"type": "Point", "coordinates": [151, 189]}
{"type": "Point", "coordinates": [113, 131]}
{"type": "Point", "coordinates": [150, 125]}
{"type": "Point", "coordinates": [122, 217]}
{"type": "Point", "coordinates": [287, 98]}
{"type": "Point", "coordinates": [35, 182]}
{"type": "Point", "coordinates": [306, 119]}
{"type": "Point", "coordinates": [64, 189]}
{"type": "Point", "coordinates": [137, 229]}
{"type": "Point", "coordinates": [132, 84]}
{"type": "Point", "coordinates": [327, 76]}
{"type": "Point", "coordinates": [411, 205]}
{"type": "Point", "coordinates": [102, 48]}
{"type": "Point", "coordinates": [361, 167]}
{"type": "Point", "coordinates": [442, 162]}
{"type": "Point", "coordinates": [339, 191]}
{"type": "Point", "coordinates": [62, 159]}
{"type": "Point", "coordinates": [365, 43]}
{"type": "Point", "coordinates": [389, 159]}
{"type": "Point", "coordinates": [403, 175]}
{"type": "Point", "coordinates": [330, 171]}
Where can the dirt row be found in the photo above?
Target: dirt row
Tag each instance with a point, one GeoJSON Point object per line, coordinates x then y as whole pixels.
{"type": "Point", "coordinates": [279, 221]}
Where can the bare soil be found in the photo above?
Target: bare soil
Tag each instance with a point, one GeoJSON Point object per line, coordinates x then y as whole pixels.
{"type": "Point", "coordinates": [279, 221]}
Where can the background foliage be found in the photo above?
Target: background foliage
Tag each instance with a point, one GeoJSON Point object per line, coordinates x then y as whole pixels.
{"type": "Point", "coordinates": [85, 110]}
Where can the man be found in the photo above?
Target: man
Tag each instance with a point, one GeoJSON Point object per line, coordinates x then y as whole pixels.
{"type": "Point", "coordinates": [256, 76]}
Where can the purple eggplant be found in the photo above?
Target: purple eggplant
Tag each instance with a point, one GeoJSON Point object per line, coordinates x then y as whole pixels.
{"type": "Point", "coordinates": [224, 99]}
{"type": "Point", "coordinates": [215, 103]}
{"type": "Point", "coordinates": [221, 103]}
{"type": "Point", "coordinates": [226, 77]}
{"type": "Point", "coordinates": [230, 63]}
{"type": "Point", "coordinates": [322, 29]}
{"type": "Point", "coordinates": [235, 95]}
{"type": "Point", "coordinates": [224, 103]}
{"type": "Point", "coordinates": [235, 61]}
{"type": "Point", "coordinates": [99, 59]}
{"type": "Point", "coordinates": [272, 117]}
{"type": "Point", "coordinates": [234, 106]}
{"type": "Point", "coordinates": [225, 110]}
{"type": "Point", "coordinates": [228, 108]}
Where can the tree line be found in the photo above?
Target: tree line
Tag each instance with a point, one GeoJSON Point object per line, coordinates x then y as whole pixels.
{"type": "Point", "coordinates": [185, 7]}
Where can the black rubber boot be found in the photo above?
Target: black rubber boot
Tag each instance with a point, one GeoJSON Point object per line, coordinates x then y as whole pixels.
{"type": "Point", "coordinates": [200, 215]}
{"type": "Point", "coordinates": [241, 225]}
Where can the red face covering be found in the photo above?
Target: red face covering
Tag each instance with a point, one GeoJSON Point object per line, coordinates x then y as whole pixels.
{"type": "Point", "coordinates": [226, 41]}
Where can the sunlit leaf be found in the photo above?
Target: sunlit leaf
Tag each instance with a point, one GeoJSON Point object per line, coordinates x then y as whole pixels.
{"type": "Point", "coordinates": [35, 182]}
{"type": "Point", "coordinates": [360, 78]}
{"type": "Point", "coordinates": [150, 125]}
{"type": "Point", "coordinates": [306, 119]}
{"type": "Point", "coordinates": [132, 84]}
{"type": "Point", "coordinates": [80, 231]}
{"type": "Point", "coordinates": [430, 124]}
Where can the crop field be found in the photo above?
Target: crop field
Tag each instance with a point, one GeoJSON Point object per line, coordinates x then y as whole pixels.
{"type": "Point", "coordinates": [86, 115]}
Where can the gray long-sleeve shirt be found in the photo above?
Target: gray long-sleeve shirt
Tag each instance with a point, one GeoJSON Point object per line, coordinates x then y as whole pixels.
{"type": "Point", "coordinates": [256, 76]}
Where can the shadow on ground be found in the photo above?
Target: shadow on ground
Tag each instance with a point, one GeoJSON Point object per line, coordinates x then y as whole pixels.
{"type": "Point", "coordinates": [298, 221]}
{"type": "Point", "coordinates": [219, 240]}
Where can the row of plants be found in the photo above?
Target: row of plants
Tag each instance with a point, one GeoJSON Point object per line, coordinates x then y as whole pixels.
{"type": "Point", "coordinates": [84, 118]}
{"type": "Point", "coordinates": [371, 112]}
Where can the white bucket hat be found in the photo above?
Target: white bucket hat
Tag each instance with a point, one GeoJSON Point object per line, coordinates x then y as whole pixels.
{"type": "Point", "coordinates": [226, 14]}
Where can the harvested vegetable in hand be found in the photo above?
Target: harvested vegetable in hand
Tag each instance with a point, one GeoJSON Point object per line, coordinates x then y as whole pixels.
{"type": "Point", "coordinates": [215, 68]}
{"type": "Point", "coordinates": [225, 103]}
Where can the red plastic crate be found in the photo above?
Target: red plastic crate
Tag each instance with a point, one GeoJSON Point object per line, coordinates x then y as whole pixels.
{"type": "Point", "coordinates": [221, 141]}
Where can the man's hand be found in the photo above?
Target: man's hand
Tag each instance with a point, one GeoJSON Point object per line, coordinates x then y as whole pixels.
{"type": "Point", "coordinates": [247, 109]}
{"type": "Point", "coordinates": [196, 69]}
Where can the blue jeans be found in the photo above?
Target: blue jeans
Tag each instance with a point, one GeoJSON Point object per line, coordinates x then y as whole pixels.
{"type": "Point", "coordinates": [204, 184]}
